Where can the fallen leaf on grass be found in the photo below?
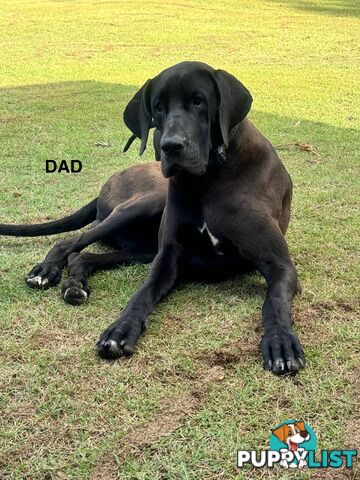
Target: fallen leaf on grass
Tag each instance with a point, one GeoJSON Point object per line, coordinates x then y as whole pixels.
{"type": "Point", "coordinates": [306, 147]}
{"type": "Point", "coordinates": [102, 144]}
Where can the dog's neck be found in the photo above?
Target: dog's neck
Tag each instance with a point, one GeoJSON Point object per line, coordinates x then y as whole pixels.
{"type": "Point", "coordinates": [218, 154]}
{"type": "Point", "coordinates": [217, 157]}
{"type": "Point", "coordinates": [244, 136]}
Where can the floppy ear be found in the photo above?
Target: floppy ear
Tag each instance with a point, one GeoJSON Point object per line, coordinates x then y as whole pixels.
{"type": "Point", "coordinates": [301, 426]}
{"type": "Point", "coordinates": [137, 116]}
{"type": "Point", "coordinates": [281, 432]}
{"type": "Point", "coordinates": [234, 102]}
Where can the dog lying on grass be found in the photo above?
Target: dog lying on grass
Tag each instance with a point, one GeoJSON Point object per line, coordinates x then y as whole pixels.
{"type": "Point", "coordinates": [217, 203]}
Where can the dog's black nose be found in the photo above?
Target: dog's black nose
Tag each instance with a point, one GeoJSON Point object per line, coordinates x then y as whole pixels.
{"type": "Point", "coordinates": [304, 434]}
{"type": "Point", "coordinates": [171, 145]}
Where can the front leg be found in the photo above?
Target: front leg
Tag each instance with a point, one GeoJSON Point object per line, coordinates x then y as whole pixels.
{"type": "Point", "coordinates": [120, 337]}
{"type": "Point", "coordinates": [261, 242]}
{"type": "Point", "coordinates": [281, 348]}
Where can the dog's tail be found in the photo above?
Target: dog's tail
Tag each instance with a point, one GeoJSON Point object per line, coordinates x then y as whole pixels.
{"type": "Point", "coordinates": [76, 220]}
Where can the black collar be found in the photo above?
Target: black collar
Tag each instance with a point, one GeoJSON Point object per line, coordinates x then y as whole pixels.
{"type": "Point", "coordinates": [217, 157]}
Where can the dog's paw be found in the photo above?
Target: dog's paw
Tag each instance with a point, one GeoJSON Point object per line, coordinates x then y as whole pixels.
{"type": "Point", "coordinates": [74, 292]}
{"type": "Point", "coordinates": [282, 352]}
{"type": "Point", "coordinates": [119, 339]}
{"type": "Point", "coordinates": [44, 275]}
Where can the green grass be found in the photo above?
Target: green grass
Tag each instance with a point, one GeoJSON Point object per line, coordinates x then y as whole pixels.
{"type": "Point", "coordinates": [195, 391]}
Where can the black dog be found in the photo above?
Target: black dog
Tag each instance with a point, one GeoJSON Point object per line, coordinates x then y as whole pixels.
{"type": "Point", "coordinates": [224, 209]}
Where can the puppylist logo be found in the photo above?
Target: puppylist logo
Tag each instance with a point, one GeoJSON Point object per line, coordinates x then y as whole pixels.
{"type": "Point", "coordinates": [292, 445]}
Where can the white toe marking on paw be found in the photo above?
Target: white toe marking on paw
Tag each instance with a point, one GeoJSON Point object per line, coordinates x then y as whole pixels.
{"type": "Point", "coordinates": [113, 345]}
{"type": "Point", "coordinates": [45, 281]}
{"type": "Point", "coordinates": [81, 290]}
{"type": "Point", "coordinates": [66, 292]}
{"type": "Point", "coordinates": [34, 280]}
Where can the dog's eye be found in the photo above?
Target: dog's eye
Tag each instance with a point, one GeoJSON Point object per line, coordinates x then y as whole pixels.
{"type": "Point", "coordinates": [197, 100]}
{"type": "Point", "coordinates": [159, 107]}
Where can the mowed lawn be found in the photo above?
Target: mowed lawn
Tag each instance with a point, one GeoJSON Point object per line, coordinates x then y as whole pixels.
{"type": "Point", "coordinates": [195, 391]}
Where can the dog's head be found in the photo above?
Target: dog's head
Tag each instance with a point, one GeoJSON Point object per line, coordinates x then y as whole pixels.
{"type": "Point", "coordinates": [194, 108]}
{"type": "Point", "coordinates": [292, 434]}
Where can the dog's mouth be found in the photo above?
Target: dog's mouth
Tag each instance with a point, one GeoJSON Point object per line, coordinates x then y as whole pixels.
{"type": "Point", "coordinates": [293, 446]}
{"type": "Point", "coordinates": [169, 170]}
{"type": "Point", "coordinates": [190, 160]}
{"type": "Point", "coordinates": [171, 166]}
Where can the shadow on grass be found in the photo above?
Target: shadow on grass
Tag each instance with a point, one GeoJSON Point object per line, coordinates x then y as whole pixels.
{"type": "Point", "coordinates": [85, 103]}
{"type": "Point", "coordinates": [337, 8]}
{"type": "Point", "coordinates": [73, 113]}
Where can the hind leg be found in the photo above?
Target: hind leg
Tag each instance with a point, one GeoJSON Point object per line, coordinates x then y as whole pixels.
{"type": "Point", "coordinates": [48, 272]}
{"type": "Point", "coordinates": [75, 289]}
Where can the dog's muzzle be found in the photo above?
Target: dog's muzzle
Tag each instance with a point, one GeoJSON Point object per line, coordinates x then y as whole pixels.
{"type": "Point", "coordinates": [177, 156]}
{"type": "Point", "coordinates": [172, 146]}
{"type": "Point", "coordinates": [170, 166]}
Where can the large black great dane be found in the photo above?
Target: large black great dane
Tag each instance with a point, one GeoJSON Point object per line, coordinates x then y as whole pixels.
{"type": "Point", "coordinates": [219, 204]}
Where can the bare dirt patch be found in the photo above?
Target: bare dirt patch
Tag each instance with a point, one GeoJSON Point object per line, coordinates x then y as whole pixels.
{"type": "Point", "coordinates": [169, 416]}
{"type": "Point", "coordinates": [231, 353]}
{"type": "Point", "coordinates": [53, 339]}
{"type": "Point", "coordinates": [323, 308]}
{"type": "Point", "coordinates": [317, 318]}
{"type": "Point", "coordinates": [172, 412]}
